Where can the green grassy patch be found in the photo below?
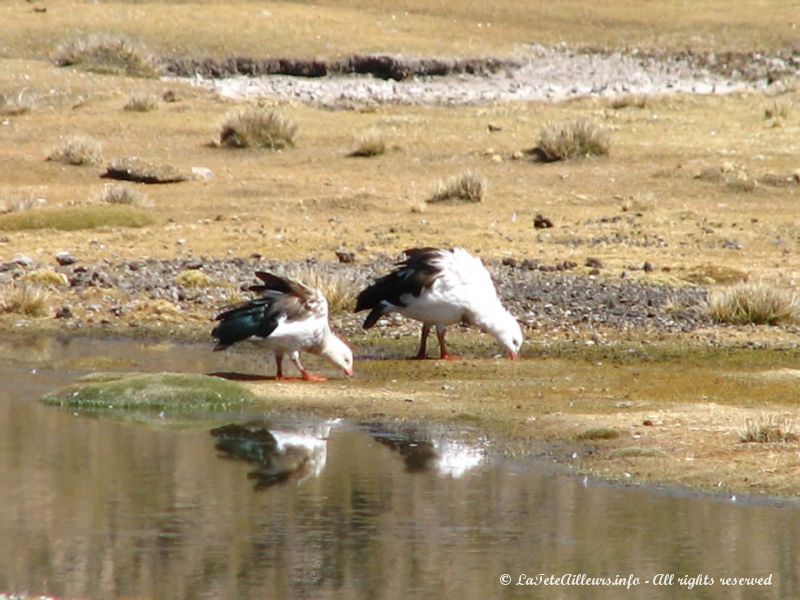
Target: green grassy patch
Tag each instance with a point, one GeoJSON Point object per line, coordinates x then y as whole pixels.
{"type": "Point", "coordinates": [157, 391]}
{"type": "Point", "coordinates": [598, 433]}
{"type": "Point", "coordinates": [76, 218]}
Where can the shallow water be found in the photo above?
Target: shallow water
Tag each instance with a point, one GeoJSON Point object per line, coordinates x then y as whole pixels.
{"type": "Point", "coordinates": [98, 509]}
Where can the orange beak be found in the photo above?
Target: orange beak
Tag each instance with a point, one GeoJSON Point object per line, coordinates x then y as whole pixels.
{"type": "Point", "coordinates": [348, 372]}
{"type": "Point", "coordinates": [513, 355]}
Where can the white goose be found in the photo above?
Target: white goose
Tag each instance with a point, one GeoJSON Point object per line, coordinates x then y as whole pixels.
{"type": "Point", "coordinates": [290, 317]}
{"type": "Point", "coordinates": [440, 288]}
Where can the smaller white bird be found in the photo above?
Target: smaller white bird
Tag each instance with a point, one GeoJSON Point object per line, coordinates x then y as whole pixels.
{"type": "Point", "coordinates": [441, 288]}
{"type": "Point", "coordinates": [290, 317]}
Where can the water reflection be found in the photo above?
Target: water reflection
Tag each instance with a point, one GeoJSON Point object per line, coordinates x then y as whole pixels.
{"type": "Point", "coordinates": [279, 455]}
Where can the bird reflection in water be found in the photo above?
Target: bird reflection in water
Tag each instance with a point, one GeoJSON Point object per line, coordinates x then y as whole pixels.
{"type": "Point", "coordinates": [280, 456]}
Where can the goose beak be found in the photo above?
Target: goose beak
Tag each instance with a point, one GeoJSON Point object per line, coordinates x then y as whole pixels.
{"type": "Point", "coordinates": [349, 373]}
{"type": "Point", "coordinates": [513, 355]}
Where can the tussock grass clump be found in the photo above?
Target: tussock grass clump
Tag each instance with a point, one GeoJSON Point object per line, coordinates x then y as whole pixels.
{"type": "Point", "coordinates": [124, 194]}
{"type": "Point", "coordinates": [598, 433]}
{"type": "Point", "coordinates": [78, 150]}
{"type": "Point", "coordinates": [768, 428]}
{"type": "Point", "coordinates": [12, 105]}
{"type": "Point", "coordinates": [45, 278]}
{"type": "Point", "coordinates": [371, 143]}
{"type": "Point", "coordinates": [337, 286]}
{"type": "Point", "coordinates": [257, 127]}
{"type": "Point", "coordinates": [20, 203]}
{"type": "Point", "coordinates": [574, 139]}
{"type": "Point", "coordinates": [142, 102]}
{"type": "Point", "coordinates": [753, 303]}
{"type": "Point", "coordinates": [467, 187]}
{"type": "Point", "coordinates": [777, 109]}
{"type": "Point", "coordinates": [192, 278]}
{"type": "Point", "coordinates": [108, 53]}
{"type": "Point", "coordinates": [26, 300]}
{"type": "Point", "coordinates": [76, 218]}
{"type": "Point", "coordinates": [628, 101]}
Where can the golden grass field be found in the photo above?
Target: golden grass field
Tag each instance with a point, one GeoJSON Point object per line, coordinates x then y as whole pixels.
{"type": "Point", "coordinates": [642, 202]}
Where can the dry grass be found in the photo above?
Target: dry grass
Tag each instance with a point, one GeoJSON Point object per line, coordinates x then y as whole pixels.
{"type": "Point", "coordinates": [753, 303]}
{"type": "Point", "coordinates": [467, 187]}
{"type": "Point", "coordinates": [25, 300]}
{"type": "Point", "coordinates": [78, 150]}
{"type": "Point", "coordinates": [257, 127]}
{"type": "Point", "coordinates": [598, 433]}
{"type": "Point", "coordinates": [133, 168]}
{"type": "Point", "coordinates": [578, 138]}
{"type": "Point", "coordinates": [371, 143]}
{"type": "Point", "coordinates": [192, 278]}
{"type": "Point", "coordinates": [20, 203]}
{"type": "Point", "coordinates": [108, 53]}
{"type": "Point", "coordinates": [124, 194]}
{"type": "Point", "coordinates": [778, 109]}
{"type": "Point", "coordinates": [45, 278]}
{"type": "Point", "coordinates": [768, 428]}
{"type": "Point", "coordinates": [337, 286]}
{"type": "Point", "coordinates": [12, 105]}
{"type": "Point", "coordinates": [628, 101]}
{"type": "Point", "coordinates": [142, 102]}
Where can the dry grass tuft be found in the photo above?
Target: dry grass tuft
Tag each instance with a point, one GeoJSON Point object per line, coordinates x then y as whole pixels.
{"type": "Point", "coordinates": [108, 53]}
{"type": "Point", "coordinates": [753, 303]}
{"type": "Point", "coordinates": [777, 109]}
{"type": "Point", "coordinates": [257, 127]}
{"type": "Point", "coordinates": [337, 286]}
{"type": "Point", "coordinates": [628, 101]}
{"type": "Point", "coordinates": [20, 203]}
{"type": "Point", "coordinates": [192, 278]}
{"type": "Point", "coordinates": [78, 150]}
{"type": "Point", "coordinates": [133, 168]}
{"type": "Point", "coordinates": [46, 278]}
{"type": "Point", "coordinates": [598, 433]}
{"type": "Point", "coordinates": [467, 187]}
{"type": "Point", "coordinates": [768, 428]}
{"type": "Point", "coordinates": [12, 105]}
{"type": "Point", "coordinates": [124, 194]}
{"type": "Point", "coordinates": [142, 102]}
{"type": "Point", "coordinates": [371, 143]}
{"type": "Point", "coordinates": [26, 300]}
{"type": "Point", "coordinates": [574, 139]}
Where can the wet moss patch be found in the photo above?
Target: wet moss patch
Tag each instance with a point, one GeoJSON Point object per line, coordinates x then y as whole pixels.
{"type": "Point", "coordinates": [157, 391]}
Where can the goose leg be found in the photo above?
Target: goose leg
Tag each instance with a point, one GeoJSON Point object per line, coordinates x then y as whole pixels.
{"type": "Point", "coordinates": [295, 357]}
{"type": "Point", "coordinates": [278, 366]}
{"type": "Point", "coordinates": [440, 331]}
{"type": "Point", "coordinates": [423, 342]}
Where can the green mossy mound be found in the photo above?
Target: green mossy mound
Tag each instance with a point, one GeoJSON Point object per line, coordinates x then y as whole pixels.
{"type": "Point", "coordinates": [151, 391]}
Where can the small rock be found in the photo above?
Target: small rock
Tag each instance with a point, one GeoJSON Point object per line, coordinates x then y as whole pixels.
{"type": "Point", "coordinates": [169, 96]}
{"type": "Point", "coordinates": [345, 256]}
{"type": "Point", "coordinates": [542, 222]}
{"type": "Point", "coordinates": [193, 264]}
{"type": "Point", "coordinates": [510, 262]}
{"type": "Point", "coordinates": [22, 261]}
{"type": "Point", "coordinates": [648, 267]}
{"type": "Point", "coordinates": [64, 258]}
{"type": "Point", "coordinates": [65, 312]}
{"type": "Point", "coordinates": [494, 128]}
{"type": "Point", "coordinates": [517, 155]}
{"type": "Point", "coordinates": [203, 173]}
{"type": "Point", "coordinates": [496, 158]}
{"type": "Point", "coordinates": [594, 263]}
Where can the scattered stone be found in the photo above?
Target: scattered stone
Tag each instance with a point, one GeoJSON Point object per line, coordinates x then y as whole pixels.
{"type": "Point", "coordinates": [594, 263]}
{"type": "Point", "coordinates": [193, 264]}
{"type": "Point", "coordinates": [170, 96]}
{"type": "Point", "coordinates": [494, 128]}
{"type": "Point", "coordinates": [65, 312]}
{"type": "Point", "coordinates": [510, 262]}
{"type": "Point", "coordinates": [142, 171]}
{"type": "Point", "coordinates": [648, 267]}
{"type": "Point", "coordinates": [542, 222]}
{"type": "Point", "coordinates": [345, 256]}
{"type": "Point", "coordinates": [203, 173]}
{"type": "Point", "coordinates": [64, 258]}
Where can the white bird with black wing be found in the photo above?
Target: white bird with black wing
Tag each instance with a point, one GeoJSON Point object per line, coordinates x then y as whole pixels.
{"type": "Point", "coordinates": [440, 288]}
{"type": "Point", "coordinates": [290, 318]}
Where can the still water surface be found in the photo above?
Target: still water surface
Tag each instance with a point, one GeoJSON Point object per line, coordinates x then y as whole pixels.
{"type": "Point", "coordinates": [91, 508]}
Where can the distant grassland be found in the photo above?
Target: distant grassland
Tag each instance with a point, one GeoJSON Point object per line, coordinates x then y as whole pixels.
{"type": "Point", "coordinates": [335, 28]}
